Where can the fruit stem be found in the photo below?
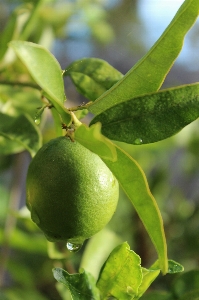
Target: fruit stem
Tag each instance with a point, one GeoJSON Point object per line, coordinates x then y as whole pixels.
{"type": "Point", "coordinates": [80, 107]}
{"type": "Point", "coordinates": [71, 129]}
{"type": "Point", "coordinates": [75, 120]}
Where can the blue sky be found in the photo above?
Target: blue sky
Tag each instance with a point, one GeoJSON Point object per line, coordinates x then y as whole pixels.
{"type": "Point", "coordinates": [156, 15]}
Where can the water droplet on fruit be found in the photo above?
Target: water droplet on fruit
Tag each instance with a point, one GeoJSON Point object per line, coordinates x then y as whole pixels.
{"type": "Point", "coordinates": [37, 120]}
{"type": "Point", "coordinates": [72, 247]}
{"type": "Point", "coordinates": [35, 217]}
{"type": "Point", "coordinates": [138, 141]}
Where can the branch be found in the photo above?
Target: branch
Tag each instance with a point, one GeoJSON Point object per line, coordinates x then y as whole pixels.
{"type": "Point", "coordinates": [24, 84]}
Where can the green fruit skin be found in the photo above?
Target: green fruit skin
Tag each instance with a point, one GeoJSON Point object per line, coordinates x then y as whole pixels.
{"type": "Point", "coordinates": [70, 191]}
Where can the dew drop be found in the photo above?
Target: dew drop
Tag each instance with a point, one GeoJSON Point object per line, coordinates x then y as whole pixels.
{"type": "Point", "coordinates": [72, 247]}
{"type": "Point", "coordinates": [138, 141]}
{"type": "Point", "coordinates": [37, 120]}
{"type": "Point", "coordinates": [35, 217]}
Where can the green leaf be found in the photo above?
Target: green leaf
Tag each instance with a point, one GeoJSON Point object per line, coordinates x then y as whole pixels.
{"type": "Point", "coordinates": [8, 33]}
{"type": "Point", "coordinates": [57, 122]}
{"type": "Point", "coordinates": [121, 274]}
{"type": "Point", "coordinates": [82, 285]}
{"type": "Point", "coordinates": [53, 251]}
{"type": "Point", "coordinates": [33, 19]}
{"type": "Point", "coordinates": [91, 138]}
{"type": "Point", "coordinates": [134, 183]}
{"type": "Point", "coordinates": [159, 295]}
{"type": "Point", "coordinates": [185, 283]}
{"type": "Point", "coordinates": [148, 277]}
{"type": "Point", "coordinates": [17, 100]}
{"type": "Point", "coordinates": [153, 117]}
{"type": "Point", "coordinates": [46, 71]}
{"type": "Point", "coordinates": [20, 240]}
{"type": "Point", "coordinates": [17, 293]}
{"type": "Point", "coordinates": [192, 295]}
{"type": "Point", "coordinates": [43, 67]}
{"type": "Point", "coordinates": [98, 249]}
{"type": "Point", "coordinates": [92, 76]}
{"type": "Point", "coordinates": [149, 73]}
{"type": "Point", "coordinates": [21, 131]}
{"type": "Point", "coordinates": [80, 114]}
{"type": "Point", "coordinates": [174, 267]}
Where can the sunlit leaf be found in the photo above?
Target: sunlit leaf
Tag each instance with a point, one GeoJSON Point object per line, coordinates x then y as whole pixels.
{"type": "Point", "coordinates": [133, 181]}
{"type": "Point", "coordinates": [92, 76]}
{"type": "Point", "coordinates": [153, 117]}
{"type": "Point", "coordinates": [91, 138]}
{"type": "Point", "coordinates": [121, 274]}
{"type": "Point", "coordinates": [173, 266]}
{"type": "Point", "coordinates": [148, 277]}
{"type": "Point", "coordinates": [81, 285]}
{"type": "Point", "coordinates": [98, 249]}
{"type": "Point", "coordinates": [43, 67]}
{"type": "Point", "coordinates": [53, 251]}
{"type": "Point", "coordinates": [20, 130]}
{"type": "Point", "coordinates": [149, 73]}
{"type": "Point", "coordinates": [46, 71]}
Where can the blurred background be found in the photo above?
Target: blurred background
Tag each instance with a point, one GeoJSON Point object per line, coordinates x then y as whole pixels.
{"type": "Point", "coordinates": [120, 32]}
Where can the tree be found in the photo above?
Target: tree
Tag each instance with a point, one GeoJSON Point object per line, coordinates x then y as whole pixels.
{"type": "Point", "coordinates": [128, 108]}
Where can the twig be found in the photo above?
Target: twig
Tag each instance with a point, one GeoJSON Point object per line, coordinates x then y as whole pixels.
{"type": "Point", "coordinates": [18, 83]}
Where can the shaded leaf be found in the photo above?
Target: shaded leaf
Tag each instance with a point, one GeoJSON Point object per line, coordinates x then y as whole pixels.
{"type": "Point", "coordinates": [21, 131]}
{"type": "Point", "coordinates": [21, 293]}
{"type": "Point", "coordinates": [82, 285]}
{"type": "Point", "coordinates": [57, 122]}
{"type": "Point", "coordinates": [192, 295]}
{"type": "Point", "coordinates": [20, 240]}
{"type": "Point", "coordinates": [9, 146]}
{"type": "Point", "coordinates": [159, 295]}
{"type": "Point", "coordinates": [92, 76]}
{"type": "Point", "coordinates": [91, 138]}
{"type": "Point", "coordinates": [8, 33]}
{"type": "Point", "coordinates": [174, 267]}
{"type": "Point", "coordinates": [121, 274]}
{"type": "Point", "coordinates": [149, 73]}
{"type": "Point", "coordinates": [153, 117]}
{"type": "Point", "coordinates": [185, 283]}
{"type": "Point", "coordinates": [134, 183]}
{"type": "Point", "coordinates": [19, 100]}
{"type": "Point", "coordinates": [46, 71]}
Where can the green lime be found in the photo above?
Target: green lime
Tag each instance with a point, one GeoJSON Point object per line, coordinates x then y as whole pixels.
{"type": "Point", "coordinates": [71, 193]}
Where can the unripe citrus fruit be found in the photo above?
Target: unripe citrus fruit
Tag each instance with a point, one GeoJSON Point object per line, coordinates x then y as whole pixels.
{"type": "Point", "coordinates": [71, 193]}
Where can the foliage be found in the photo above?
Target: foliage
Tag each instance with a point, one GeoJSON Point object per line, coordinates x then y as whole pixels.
{"type": "Point", "coordinates": [127, 108]}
